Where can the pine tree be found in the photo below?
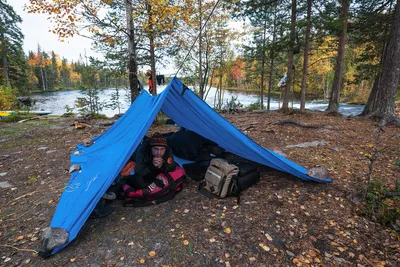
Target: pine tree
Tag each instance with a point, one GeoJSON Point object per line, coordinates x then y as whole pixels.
{"type": "Point", "coordinates": [13, 60]}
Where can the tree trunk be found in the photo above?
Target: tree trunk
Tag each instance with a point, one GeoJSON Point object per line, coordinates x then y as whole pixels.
{"type": "Point", "coordinates": [200, 52]}
{"type": "Point", "coordinates": [271, 68]}
{"type": "Point", "coordinates": [388, 80]}
{"type": "Point", "coordinates": [5, 63]}
{"type": "Point", "coordinates": [337, 80]}
{"type": "Point", "coordinates": [305, 63]}
{"type": "Point", "coordinates": [132, 64]}
{"type": "Point", "coordinates": [43, 83]}
{"type": "Point", "coordinates": [152, 53]}
{"type": "Point", "coordinates": [371, 102]}
{"type": "Point", "coordinates": [263, 64]}
{"type": "Point", "coordinates": [286, 97]}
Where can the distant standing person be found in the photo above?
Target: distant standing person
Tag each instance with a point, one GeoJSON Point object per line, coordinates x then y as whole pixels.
{"type": "Point", "coordinates": [148, 74]}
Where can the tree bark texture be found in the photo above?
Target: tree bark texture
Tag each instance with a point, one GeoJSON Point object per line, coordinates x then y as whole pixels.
{"type": "Point", "coordinates": [388, 83]}
{"type": "Point", "coordinates": [337, 80]}
{"type": "Point", "coordinates": [4, 55]}
{"type": "Point", "coordinates": [305, 63]}
{"type": "Point", "coordinates": [132, 64]}
{"type": "Point", "coordinates": [263, 64]}
{"type": "Point", "coordinates": [289, 78]}
{"type": "Point", "coordinates": [152, 53]}
{"type": "Point", "coordinates": [201, 90]}
{"type": "Point", "coordinates": [271, 68]}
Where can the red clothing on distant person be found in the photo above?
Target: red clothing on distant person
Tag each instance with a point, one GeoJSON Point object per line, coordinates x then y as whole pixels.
{"type": "Point", "coordinates": [150, 81]}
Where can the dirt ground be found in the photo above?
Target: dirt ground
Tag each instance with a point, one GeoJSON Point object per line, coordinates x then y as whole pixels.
{"type": "Point", "coordinates": [281, 221]}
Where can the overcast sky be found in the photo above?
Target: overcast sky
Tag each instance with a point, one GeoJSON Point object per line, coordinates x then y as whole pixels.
{"type": "Point", "coordinates": [36, 28]}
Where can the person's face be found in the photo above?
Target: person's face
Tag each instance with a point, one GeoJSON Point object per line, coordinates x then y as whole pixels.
{"type": "Point", "coordinates": [158, 151]}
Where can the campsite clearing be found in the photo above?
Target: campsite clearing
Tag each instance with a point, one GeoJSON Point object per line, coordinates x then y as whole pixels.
{"type": "Point", "coordinates": [282, 220]}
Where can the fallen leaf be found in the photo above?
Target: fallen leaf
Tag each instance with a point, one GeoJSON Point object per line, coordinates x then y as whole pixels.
{"type": "Point", "coordinates": [131, 244]}
{"type": "Point", "coordinates": [7, 260]}
{"type": "Point", "coordinates": [142, 261]}
{"type": "Point", "coordinates": [152, 253]}
{"type": "Point", "coordinates": [227, 230]}
{"type": "Point", "coordinates": [186, 242]}
{"type": "Point", "coordinates": [251, 259]}
{"type": "Point", "coordinates": [212, 240]}
{"type": "Point", "coordinates": [334, 244]}
{"type": "Point", "coordinates": [268, 237]}
{"type": "Point", "coordinates": [123, 219]}
{"type": "Point", "coordinates": [20, 237]}
{"type": "Point", "coordinates": [72, 259]}
{"type": "Point", "coordinates": [122, 258]}
{"type": "Point", "coordinates": [266, 248]}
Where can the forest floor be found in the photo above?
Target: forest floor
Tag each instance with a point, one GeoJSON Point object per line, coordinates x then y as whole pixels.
{"type": "Point", "coordinates": [281, 221]}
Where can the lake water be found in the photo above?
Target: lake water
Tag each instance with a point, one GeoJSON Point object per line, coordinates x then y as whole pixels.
{"type": "Point", "coordinates": [56, 101]}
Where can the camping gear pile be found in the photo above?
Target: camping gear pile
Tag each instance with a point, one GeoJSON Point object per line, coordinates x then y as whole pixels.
{"type": "Point", "coordinates": [101, 163]}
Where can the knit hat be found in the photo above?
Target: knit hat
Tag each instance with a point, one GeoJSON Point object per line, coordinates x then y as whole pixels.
{"type": "Point", "coordinates": [158, 140]}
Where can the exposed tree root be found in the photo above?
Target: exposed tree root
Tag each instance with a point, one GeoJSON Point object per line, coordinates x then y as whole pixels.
{"type": "Point", "coordinates": [301, 124]}
{"type": "Point", "coordinates": [19, 249]}
{"type": "Point", "coordinates": [385, 120]}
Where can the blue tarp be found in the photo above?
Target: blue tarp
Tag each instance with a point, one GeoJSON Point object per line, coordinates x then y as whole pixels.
{"type": "Point", "coordinates": [101, 162]}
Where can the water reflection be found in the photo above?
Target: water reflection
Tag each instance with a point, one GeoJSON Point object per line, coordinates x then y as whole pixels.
{"type": "Point", "coordinates": [57, 101]}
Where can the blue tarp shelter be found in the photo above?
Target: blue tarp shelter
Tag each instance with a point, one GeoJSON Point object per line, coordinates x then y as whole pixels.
{"type": "Point", "coordinates": [101, 162]}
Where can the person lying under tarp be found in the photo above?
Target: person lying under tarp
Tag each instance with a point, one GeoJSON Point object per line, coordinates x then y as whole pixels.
{"type": "Point", "coordinates": [156, 176]}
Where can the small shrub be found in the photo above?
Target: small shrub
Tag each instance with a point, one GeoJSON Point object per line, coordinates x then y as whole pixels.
{"type": "Point", "coordinates": [8, 99]}
{"type": "Point", "coordinates": [99, 116]}
{"type": "Point", "coordinates": [233, 103]}
{"type": "Point", "coordinates": [378, 206]}
{"type": "Point", "coordinates": [256, 106]}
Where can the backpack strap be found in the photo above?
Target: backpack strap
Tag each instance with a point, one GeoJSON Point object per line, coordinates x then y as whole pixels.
{"type": "Point", "coordinates": [205, 192]}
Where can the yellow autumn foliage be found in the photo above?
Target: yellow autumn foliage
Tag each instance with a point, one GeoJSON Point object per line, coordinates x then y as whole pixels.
{"type": "Point", "coordinates": [8, 99]}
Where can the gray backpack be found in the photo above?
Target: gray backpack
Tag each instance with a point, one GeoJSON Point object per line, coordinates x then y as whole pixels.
{"type": "Point", "coordinates": [220, 179]}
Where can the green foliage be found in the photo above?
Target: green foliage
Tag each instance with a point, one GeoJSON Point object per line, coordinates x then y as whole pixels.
{"type": "Point", "coordinates": [378, 206]}
{"type": "Point", "coordinates": [114, 102]}
{"type": "Point", "coordinates": [255, 106]}
{"type": "Point", "coordinates": [233, 103]}
{"type": "Point", "coordinates": [90, 104]}
{"type": "Point", "coordinates": [68, 109]}
{"type": "Point", "coordinates": [397, 164]}
{"type": "Point", "coordinates": [99, 116]}
{"type": "Point", "coordinates": [8, 98]}
{"type": "Point", "coordinates": [13, 63]}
